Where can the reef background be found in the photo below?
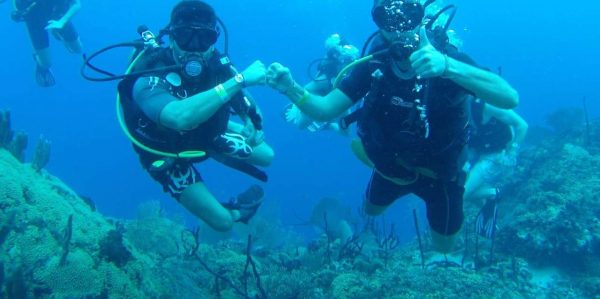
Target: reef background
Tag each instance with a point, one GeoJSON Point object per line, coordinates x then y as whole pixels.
{"type": "Point", "coordinates": [547, 54]}
{"type": "Point", "coordinates": [546, 49]}
{"type": "Point", "coordinates": [53, 243]}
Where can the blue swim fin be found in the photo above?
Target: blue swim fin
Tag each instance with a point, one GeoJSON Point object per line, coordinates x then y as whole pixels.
{"type": "Point", "coordinates": [485, 225]}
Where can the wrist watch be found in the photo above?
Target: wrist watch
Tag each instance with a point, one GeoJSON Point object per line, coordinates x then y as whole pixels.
{"type": "Point", "coordinates": [239, 78]}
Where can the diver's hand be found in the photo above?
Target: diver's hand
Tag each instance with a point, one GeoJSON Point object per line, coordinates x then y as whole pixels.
{"type": "Point", "coordinates": [427, 62]}
{"type": "Point", "coordinates": [293, 115]}
{"type": "Point", "coordinates": [280, 78]}
{"type": "Point", "coordinates": [253, 136]}
{"type": "Point", "coordinates": [255, 74]}
{"type": "Point", "coordinates": [55, 25]}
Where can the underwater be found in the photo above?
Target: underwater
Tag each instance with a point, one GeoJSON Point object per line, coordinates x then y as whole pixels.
{"type": "Point", "coordinates": [299, 149]}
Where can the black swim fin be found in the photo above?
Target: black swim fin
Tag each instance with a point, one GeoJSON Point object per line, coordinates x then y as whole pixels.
{"type": "Point", "coordinates": [485, 225]}
{"type": "Point", "coordinates": [44, 77]}
{"type": "Point", "coordinates": [247, 203]}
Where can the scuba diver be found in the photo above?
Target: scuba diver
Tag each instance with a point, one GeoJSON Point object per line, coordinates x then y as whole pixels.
{"type": "Point", "coordinates": [41, 17]}
{"type": "Point", "coordinates": [177, 102]}
{"type": "Point", "coordinates": [413, 125]}
{"type": "Point", "coordinates": [493, 148]}
{"type": "Point", "coordinates": [339, 54]}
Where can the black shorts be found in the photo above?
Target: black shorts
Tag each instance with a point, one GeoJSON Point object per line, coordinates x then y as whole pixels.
{"type": "Point", "coordinates": [444, 200]}
{"type": "Point", "coordinates": [175, 175]}
{"type": "Point", "coordinates": [36, 25]}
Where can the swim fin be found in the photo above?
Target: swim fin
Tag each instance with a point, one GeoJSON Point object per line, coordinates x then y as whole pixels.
{"type": "Point", "coordinates": [247, 203]}
{"type": "Point", "coordinates": [485, 225]}
{"type": "Point", "coordinates": [44, 77]}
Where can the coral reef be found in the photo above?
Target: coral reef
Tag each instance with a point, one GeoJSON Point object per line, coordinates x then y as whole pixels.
{"type": "Point", "coordinates": [17, 143]}
{"type": "Point", "coordinates": [54, 245]}
{"type": "Point", "coordinates": [41, 156]}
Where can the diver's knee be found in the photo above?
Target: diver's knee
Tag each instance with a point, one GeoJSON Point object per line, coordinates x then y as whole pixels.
{"type": "Point", "coordinates": [75, 47]}
{"type": "Point", "coordinates": [264, 157]}
{"type": "Point", "coordinates": [221, 225]}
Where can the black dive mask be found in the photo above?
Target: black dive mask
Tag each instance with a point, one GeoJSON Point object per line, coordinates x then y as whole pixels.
{"type": "Point", "coordinates": [398, 15]}
{"type": "Point", "coordinates": [195, 38]}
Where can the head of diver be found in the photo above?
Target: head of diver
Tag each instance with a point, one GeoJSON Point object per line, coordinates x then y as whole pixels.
{"type": "Point", "coordinates": [399, 22]}
{"type": "Point", "coordinates": [339, 50]}
{"type": "Point", "coordinates": [193, 32]}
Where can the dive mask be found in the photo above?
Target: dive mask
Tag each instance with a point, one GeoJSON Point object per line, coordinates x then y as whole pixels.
{"type": "Point", "coordinates": [398, 15]}
{"type": "Point", "coordinates": [195, 38]}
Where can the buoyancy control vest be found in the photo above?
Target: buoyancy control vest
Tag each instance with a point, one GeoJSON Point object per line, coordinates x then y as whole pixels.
{"type": "Point", "coordinates": [393, 130]}
{"type": "Point", "coordinates": [162, 138]}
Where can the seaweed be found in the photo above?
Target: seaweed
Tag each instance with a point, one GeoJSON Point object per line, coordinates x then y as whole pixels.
{"type": "Point", "coordinates": [112, 248]}
{"type": "Point", "coordinates": [351, 248]}
{"type": "Point", "coordinates": [241, 291]}
{"type": "Point", "coordinates": [387, 241]}
{"type": "Point", "coordinates": [6, 133]}
{"type": "Point", "coordinates": [18, 145]}
{"type": "Point", "coordinates": [42, 154]}
{"type": "Point", "coordinates": [250, 262]}
{"type": "Point", "coordinates": [191, 248]}
{"type": "Point", "coordinates": [67, 240]}
{"type": "Point", "coordinates": [418, 232]}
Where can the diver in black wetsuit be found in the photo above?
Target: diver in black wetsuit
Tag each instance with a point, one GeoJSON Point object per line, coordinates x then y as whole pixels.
{"type": "Point", "coordinates": [182, 102]}
{"type": "Point", "coordinates": [41, 17]}
{"type": "Point", "coordinates": [413, 126]}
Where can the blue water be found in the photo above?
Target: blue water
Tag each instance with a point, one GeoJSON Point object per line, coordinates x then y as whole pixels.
{"type": "Point", "coordinates": [548, 51]}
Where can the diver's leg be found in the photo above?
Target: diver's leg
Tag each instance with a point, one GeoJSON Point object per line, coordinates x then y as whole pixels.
{"type": "Point", "coordinates": [444, 201]}
{"type": "Point", "coordinates": [381, 193]}
{"type": "Point", "coordinates": [477, 180]}
{"type": "Point", "coordinates": [199, 201]}
{"type": "Point", "coordinates": [70, 38]}
{"type": "Point", "coordinates": [43, 58]}
{"type": "Point", "coordinates": [41, 47]}
{"type": "Point", "coordinates": [262, 155]}
{"type": "Point", "coordinates": [183, 182]}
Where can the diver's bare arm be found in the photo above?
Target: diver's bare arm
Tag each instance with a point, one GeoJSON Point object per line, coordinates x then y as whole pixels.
{"type": "Point", "coordinates": [511, 118]}
{"type": "Point", "coordinates": [197, 109]}
{"type": "Point", "coordinates": [73, 9]}
{"type": "Point", "coordinates": [485, 85]}
{"type": "Point", "coordinates": [320, 108]}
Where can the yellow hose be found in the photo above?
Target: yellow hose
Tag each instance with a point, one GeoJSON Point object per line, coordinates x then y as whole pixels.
{"type": "Point", "coordinates": [185, 155]}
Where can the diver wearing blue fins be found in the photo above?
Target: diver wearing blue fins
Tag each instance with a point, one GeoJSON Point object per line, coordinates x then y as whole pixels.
{"type": "Point", "coordinates": [176, 104]}
{"type": "Point", "coordinates": [42, 17]}
{"type": "Point", "coordinates": [493, 149]}
{"type": "Point", "coordinates": [413, 126]}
